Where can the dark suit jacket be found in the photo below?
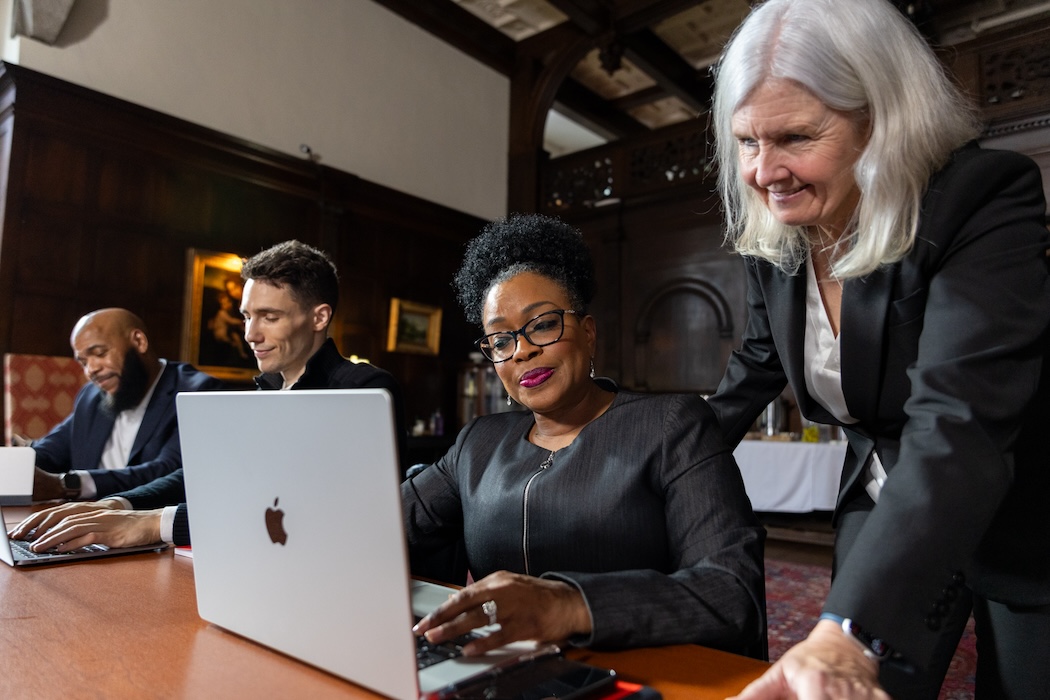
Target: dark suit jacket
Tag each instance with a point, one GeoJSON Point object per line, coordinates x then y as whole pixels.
{"type": "Point", "coordinates": [944, 363]}
{"type": "Point", "coordinates": [328, 369]}
{"type": "Point", "coordinates": [644, 513]}
{"type": "Point", "coordinates": [78, 441]}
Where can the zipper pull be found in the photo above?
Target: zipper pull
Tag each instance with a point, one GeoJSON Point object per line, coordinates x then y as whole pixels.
{"type": "Point", "coordinates": [548, 462]}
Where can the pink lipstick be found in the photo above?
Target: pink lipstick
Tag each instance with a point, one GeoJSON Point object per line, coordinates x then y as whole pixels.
{"type": "Point", "coordinates": [535, 377]}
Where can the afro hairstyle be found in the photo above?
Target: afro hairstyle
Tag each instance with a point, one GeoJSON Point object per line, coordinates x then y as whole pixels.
{"type": "Point", "coordinates": [525, 243]}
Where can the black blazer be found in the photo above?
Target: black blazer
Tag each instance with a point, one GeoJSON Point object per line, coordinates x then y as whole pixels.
{"type": "Point", "coordinates": [644, 513]}
{"type": "Point", "coordinates": [944, 364]}
{"type": "Point", "coordinates": [78, 441]}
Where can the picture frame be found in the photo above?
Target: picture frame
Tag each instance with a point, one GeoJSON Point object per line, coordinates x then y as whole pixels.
{"type": "Point", "coordinates": [212, 325]}
{"type": "Point", "coordinates": [414, 327]}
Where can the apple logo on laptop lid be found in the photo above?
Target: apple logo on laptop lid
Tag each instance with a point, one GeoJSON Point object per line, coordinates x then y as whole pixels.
{"type": "Point", "coordinates": [275, 524]}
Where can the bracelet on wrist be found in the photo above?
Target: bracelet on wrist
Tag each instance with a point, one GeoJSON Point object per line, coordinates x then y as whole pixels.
{"type": "Point", "coordinates": [873, 647]}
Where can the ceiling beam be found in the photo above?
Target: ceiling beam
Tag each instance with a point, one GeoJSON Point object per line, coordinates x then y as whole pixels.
{"type": "Point", "coordinates": [589, 109]}
{"type": "Point", "coordinates": [670, 71]}
{"type": "Point", "coordinates": [639, 98]}
{"type": "Point", "coordinates": [635, 15]}
{"type": "Point", "coordinates": [595, 18]}
{"type": "Point", "coordinates": [544, 45]}
{"type": "Point", "coordinates": [459, 28]}
{"type": "Point", "coordinates": [629, 28]}
{"type": "Point", "coordinates": [591, 16]}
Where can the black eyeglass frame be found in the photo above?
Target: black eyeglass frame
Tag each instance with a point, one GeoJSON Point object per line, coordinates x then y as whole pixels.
{"type": "Point", "coordinates": [521, 333]}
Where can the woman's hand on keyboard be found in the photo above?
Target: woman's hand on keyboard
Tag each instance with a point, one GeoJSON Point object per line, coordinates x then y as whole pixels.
{"type": "Point", "coordinates": [526, 608]}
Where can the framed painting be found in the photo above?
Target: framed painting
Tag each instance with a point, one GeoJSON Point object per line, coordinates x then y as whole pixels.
{"type": "Point", "coordinates": [414, 327]}
{"type": "Point", "coordinates": [212, 326]}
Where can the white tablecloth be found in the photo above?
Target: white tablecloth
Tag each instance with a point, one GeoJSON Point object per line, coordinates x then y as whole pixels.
{"type": "Point", "coordinates": [791, 477]}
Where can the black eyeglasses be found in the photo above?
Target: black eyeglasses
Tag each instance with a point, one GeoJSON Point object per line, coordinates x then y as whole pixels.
{"type": "Point", "coordinates": [545, 329]}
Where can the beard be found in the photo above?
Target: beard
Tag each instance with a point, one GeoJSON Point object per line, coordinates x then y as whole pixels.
{"type": "Point", "coordinates": [134, 381]}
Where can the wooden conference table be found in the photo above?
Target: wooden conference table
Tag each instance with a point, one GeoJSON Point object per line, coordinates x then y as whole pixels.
{"type": "Point", "coordinates": [127, 627]}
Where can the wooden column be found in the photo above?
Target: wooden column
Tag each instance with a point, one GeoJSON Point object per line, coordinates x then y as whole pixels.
{"type": "Point", "coordinates": [539, 71]}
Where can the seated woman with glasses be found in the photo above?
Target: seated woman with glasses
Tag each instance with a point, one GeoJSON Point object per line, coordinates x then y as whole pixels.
{"type": "Point", "coordinates": [603, 517]}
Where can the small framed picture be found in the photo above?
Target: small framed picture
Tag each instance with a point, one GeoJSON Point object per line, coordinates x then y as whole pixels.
{"type": "Point", "coordinates": [212, 326]}
{"type": "Point", "coordinates": [414, 327]}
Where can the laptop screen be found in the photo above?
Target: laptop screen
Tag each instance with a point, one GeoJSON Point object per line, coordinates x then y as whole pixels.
{"type": "Point", "coordinates": [17, 465]}
{"type": "Point", "coordinates": [295, 518]}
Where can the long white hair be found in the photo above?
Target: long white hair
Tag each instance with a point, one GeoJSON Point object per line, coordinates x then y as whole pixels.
{"type": "Point", "coordinates": [856, 56]}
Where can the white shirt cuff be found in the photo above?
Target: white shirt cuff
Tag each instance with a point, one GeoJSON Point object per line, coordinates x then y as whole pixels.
{"type": "Point", "coordinates": [87, 485]}
{"type": "Point", "coordinates": [167, 524]}
{"type": "Point", "coordinates": [875, 477]}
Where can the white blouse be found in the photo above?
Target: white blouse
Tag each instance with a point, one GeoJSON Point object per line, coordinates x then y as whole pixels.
{"type": "Point", "coordinates": [823, 371]}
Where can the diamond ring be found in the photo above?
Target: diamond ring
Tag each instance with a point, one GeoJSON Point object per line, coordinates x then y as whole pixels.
{"type": "Point", "coordinates": [489, 608]}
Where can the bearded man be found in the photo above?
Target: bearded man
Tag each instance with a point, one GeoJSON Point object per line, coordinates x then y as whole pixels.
{"type": "Point", "coordinates": [123, 430]}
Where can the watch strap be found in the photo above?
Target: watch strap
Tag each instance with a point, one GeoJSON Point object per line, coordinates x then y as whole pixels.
{"type": "Point", "coordinates": [71, 484]}
{"type": "Point", "coordinates": [872, 646]}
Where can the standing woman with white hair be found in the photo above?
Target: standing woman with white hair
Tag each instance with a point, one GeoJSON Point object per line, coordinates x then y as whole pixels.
{"type": "Point", "coordinates": [897, 280]}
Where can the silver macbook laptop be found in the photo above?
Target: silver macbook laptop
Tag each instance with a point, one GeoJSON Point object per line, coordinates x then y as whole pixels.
{"type": "Point", "coordinates": [17, 465]}
{"type": "Point", "coordinates": [298, 542]}
{"type": "Point", "coordinates": [17, 553]}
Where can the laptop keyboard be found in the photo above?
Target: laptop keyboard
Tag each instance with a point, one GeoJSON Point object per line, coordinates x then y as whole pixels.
{"type": "Point", "coordinates": [21, 550]}
{"type": "Point", "coordinates": [428, 654]}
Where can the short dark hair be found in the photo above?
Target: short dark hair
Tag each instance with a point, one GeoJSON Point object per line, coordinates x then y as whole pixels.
{"type": "Point", "coordinates": [308, 273]}
{"type": "Point", "coordinates": [525, 243]}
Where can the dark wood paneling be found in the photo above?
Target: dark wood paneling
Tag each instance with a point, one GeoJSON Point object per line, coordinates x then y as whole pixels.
{"type": "Point", "coordinates": [659, 261]}
{"type": "Point", "coordinates": [672, 248]}
{"type": "Point", "coordinates": [103, 198]}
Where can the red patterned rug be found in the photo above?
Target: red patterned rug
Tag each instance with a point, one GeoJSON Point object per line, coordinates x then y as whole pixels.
{"type": "Point", "coordinates": [794, 595]}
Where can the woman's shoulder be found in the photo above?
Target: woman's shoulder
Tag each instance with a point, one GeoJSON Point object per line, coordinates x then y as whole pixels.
{"type": "Point", "coordinates": [680, 421]}
{"type": "Point", "coordinates": [974, 152]}
{"type": "Point", "coordinates": [984, 168]}
{"type": "Point", "coordinates": [973, 180]}
{"type": "Point", "coordinates": [484, 434]}
{"type": "Point", "coordinates": [659, 404]}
